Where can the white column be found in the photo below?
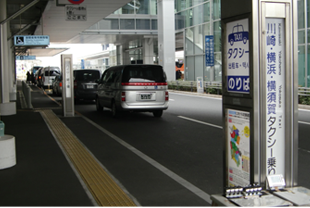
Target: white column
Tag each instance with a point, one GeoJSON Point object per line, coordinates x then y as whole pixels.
{"type": "Point", "coordinates": [6, 107]}
{"type": "Point", "coordinates": [125, 54]}
{"type": "Point", "coordinates": [148, 51]}
{"type": "Point", "coordinates": [166, 37]}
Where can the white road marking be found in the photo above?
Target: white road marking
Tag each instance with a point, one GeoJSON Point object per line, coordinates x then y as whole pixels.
{"type": "Point", "coordinates": [201, 122]}
{"type": "Point", "coordinates": [200, 193]}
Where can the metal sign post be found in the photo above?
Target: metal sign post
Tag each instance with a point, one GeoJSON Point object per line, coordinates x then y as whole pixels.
{"type": "Point", "coordinates": [260, 109]}
{"type": "Point", "coordinates": [67, 89]}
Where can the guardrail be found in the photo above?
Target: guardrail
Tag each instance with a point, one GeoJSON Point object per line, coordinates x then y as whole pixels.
{"type": "Point", "coordinates": [192, 85]}
{"type": "Point", "coordinates": [27, 93]}
{"type": "Point", "coordinates": [302, 91]}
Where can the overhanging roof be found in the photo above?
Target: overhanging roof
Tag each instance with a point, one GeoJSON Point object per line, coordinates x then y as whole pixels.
{"type": "Point", "coordinates": [48, 17]}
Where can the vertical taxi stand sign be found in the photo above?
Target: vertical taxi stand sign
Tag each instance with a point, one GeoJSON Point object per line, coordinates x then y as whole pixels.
{"type": "Point", "coordinates": [260, 104]}
{"type": "Point", "coordinates": [67, 89]}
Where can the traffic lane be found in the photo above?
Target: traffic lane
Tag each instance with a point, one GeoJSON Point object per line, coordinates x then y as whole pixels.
{"type": "Point", "coordinates": [206, 109]}
{"type": "Point", "coordinates": [143, 181]}
{"type": "Point", "coordinates": [193, 151]}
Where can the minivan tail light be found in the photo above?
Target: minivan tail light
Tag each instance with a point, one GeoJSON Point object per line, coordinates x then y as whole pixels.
{"type": "Point", "coordinates": [144, 83]}
{"type": "Point", "coordinates": [75, 84]}
{"type": "Point", "coordinates": [167, 96]}
{"type": "Point", "coordinates": [60, 84]}
{"type": "Point", "coordinates": [123, 97]}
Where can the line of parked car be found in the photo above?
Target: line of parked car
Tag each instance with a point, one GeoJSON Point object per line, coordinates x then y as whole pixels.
{"type": "Point", "coordinates": [141, 88]}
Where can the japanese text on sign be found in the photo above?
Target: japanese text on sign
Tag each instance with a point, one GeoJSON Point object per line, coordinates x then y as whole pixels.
{"type": "Point", "coordinates": [237, 50]}
{"type": "Point", "coordinates": [209, 47]}
{"type": "Point", "coordinates": [76, 13]}
{"type": "Point", "coordinates": [275, 82]}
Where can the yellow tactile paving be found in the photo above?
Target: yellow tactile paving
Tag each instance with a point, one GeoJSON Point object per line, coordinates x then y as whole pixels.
{"type": "Point", "coordinates": [105, 191]}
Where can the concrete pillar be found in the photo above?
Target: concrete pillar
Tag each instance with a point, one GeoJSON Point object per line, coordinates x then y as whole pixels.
{"type": "Point", "coordinates": [166, 37]}
{"type": "Point", "coordinates": [6, 107]}
{"type": "Point", "coordinates": [148, 51]}
{"type": "Point", "coordinates": [12, 73]}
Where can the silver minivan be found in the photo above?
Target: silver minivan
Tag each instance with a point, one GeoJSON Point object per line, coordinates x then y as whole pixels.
{"type": "Point", "coordinates": [48, 75]}
{"type": "Point", "coordinates": [141, 88]}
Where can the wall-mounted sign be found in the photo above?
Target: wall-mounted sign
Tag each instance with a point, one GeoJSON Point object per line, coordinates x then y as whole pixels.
{"type": "Point", "coordinates": [31, 40]}
{"type": "Point", "coordinates": [209, 50]}
{"type": "Point", "coordinates": [238, 147]}
{"type": "Point", "coordinates": [25, 57]}
{"type": "Point", "coordinates": [237, 55]}
{"type": "Point", "coordinates": [76, 13]}
{"type": "Point", "coordinates": [275, 96]}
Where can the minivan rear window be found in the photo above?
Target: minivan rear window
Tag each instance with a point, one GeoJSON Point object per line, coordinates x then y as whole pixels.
{"type": "Point", "coordinates": [83, 75]}
{"type": "Point", "coordinates": [51, 73]}
{"type": "Point", "coordinates": [143, 73]}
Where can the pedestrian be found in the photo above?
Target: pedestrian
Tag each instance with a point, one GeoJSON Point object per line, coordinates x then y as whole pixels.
{"type": "Point", "coordinates": [32, 78]}
{"type": "Point", "coordinates": [28, 77]}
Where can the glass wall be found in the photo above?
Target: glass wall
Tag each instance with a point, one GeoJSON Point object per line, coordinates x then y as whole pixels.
{"type": "Point", "coordinates": [194, 17]}
{"type": "Point", "coordinates": [139, 7]}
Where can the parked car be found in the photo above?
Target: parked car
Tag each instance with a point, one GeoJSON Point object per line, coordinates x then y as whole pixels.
{"type": "Point", "coordinates": [133, 88]}
{"type": "Point", "coordinates": [38, 77]}
{"type": "Point", "coordinates": [48, 75]}
{"type": "Point", "coordinates": [35, 69]}
{"type": "Point", "coordinates": [57, 85]}
{"type": "Point", "coordinates": [85, 85]}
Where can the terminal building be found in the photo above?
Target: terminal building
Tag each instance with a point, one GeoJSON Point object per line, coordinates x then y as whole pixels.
{"type": "Point", "coordinates": [194, 19]}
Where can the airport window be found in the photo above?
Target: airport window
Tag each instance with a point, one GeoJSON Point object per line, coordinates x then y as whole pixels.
{"type": "Point", "coordinates": [196, 2]}
{"type": "Point", "coordinates": [143, 24]}
{"type": "Point", "coordinates": [301, 36]}
{"type": "Point", "coordinates": [154, 24]}
{"type": "Point", "coordinates": [198, 38]}
{"type": "Point", "coordinates": [217, 36]}
{"type": "Point", "coordinates": [180, 5]}
{"type": "Point", "coordinates": [189, 18]}
{"type": "Point", "coordinates": [128, 8]}
{"type": "Point", "coordinates": [153, 9]}
{"type": "Point", "coordinates": [301, 14]}
{"type": "Point", "coordinates": [216, 9]}
{"type": "Point", "coordinates": [189, 41]}
{"type": "Point", "coordinates": [142, 6]}
{"type": "Point", "coordinates": [180, 19]}
{"type": "Point", "coordinates": [127, 24]}
{"type": "Point", "coordinates": [308, 13]}
{"type": "Point", "coordinates": [206, 12]}
{"type": "Point", "coordinates": [198, 15]}
{"type": "Point", "coordinates": [109, 24]}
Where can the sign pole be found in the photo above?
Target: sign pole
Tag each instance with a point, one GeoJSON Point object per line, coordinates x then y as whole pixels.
{"type": "Point", "coordinates": [260, 109]}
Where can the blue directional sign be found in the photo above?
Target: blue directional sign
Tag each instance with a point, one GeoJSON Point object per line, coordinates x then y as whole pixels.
{"type": "Point", "coordinates": [25, 57]}
{"type": "Point", "coordinates": [31, 40]}
{"type": "Point", "coordinates": [209, 49]}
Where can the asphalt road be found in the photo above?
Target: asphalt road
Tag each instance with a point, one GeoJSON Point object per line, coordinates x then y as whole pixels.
{"type": "Point", "coordinates": [175, 160]}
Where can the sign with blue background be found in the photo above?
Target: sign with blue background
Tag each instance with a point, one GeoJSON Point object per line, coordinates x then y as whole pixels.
{"type": "Point", "coordinates": [209, 49]}
{"type": "Point", "coordinates": [237, 56]}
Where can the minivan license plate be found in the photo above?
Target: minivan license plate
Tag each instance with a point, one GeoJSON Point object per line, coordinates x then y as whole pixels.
{"type": "Point", "coordinates": [146, 96]}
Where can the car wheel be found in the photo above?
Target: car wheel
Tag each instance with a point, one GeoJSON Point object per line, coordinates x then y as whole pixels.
{"type": "Point", "coordinates": [98, 106]}
{"type": "Point", "coordinates": [158, 113]}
